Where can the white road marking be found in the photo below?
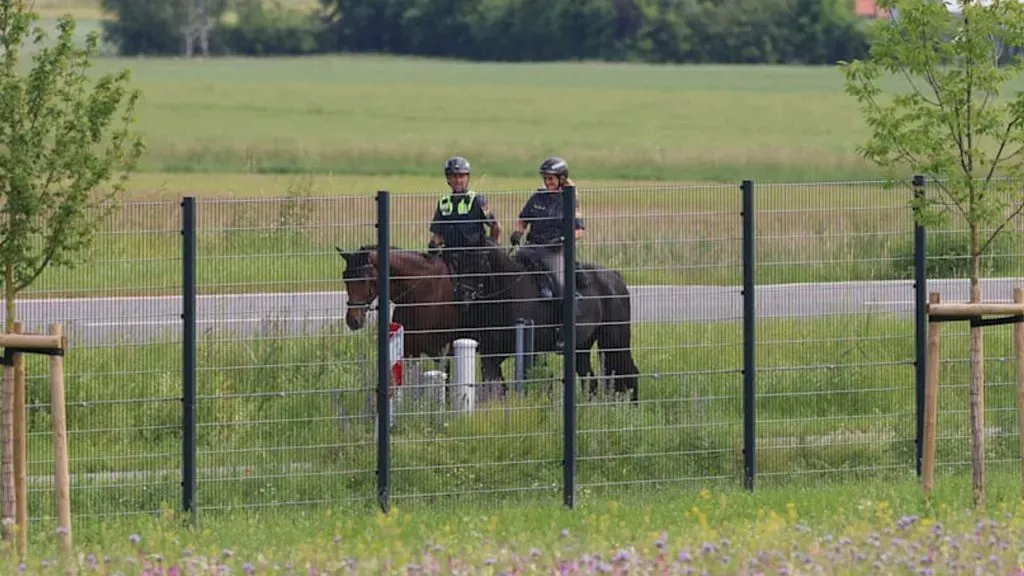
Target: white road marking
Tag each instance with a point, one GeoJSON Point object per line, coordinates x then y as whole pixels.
{"type": "Point", "coordinates": [177, 322]}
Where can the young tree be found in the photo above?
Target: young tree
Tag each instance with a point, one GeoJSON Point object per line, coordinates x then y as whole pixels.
{"type": "Point", "coordinates": [58, 145]}
{"type": "Point", "coordinates": [952, 124]}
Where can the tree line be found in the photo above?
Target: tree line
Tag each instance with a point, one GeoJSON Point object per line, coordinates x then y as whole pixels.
{"type": "Point", "coordinates": [662, 31]}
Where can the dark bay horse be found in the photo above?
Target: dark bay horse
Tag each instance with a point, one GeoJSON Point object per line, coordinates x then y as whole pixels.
{"type": "Point", "coordinates": [512, 290]}
{"type": "Point", "coordinates": [421, 290]}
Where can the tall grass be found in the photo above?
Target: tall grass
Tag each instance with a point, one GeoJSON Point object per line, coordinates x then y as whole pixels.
{"type": "Point", "coordinates": [670, 234]}
{"type": "Point", "coordinates": [289, 419]}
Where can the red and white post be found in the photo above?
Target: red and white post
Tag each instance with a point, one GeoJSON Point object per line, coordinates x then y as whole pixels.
{"type": "Point", "coordinates": [396, 341]}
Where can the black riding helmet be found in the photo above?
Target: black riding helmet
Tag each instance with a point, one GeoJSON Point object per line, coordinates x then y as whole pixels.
{"type": "Point", "coordinates": [555, 166]}
{"type": "Point", "coordinates": [456, 165]}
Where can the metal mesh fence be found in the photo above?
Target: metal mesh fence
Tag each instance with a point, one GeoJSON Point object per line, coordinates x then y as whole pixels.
{"type": "Point", "coordinates": [284, 389]}
{"type": "Point", "coordinates": [835, 330]}
{"type": "Point", "coordinates": [1002, 269]}
{"type": "Point", "coordinates": [679, 250]}
{"type": "Point", "coordinates": [121, 313]}
{"type": "Point", "coordinates": [455, 440]}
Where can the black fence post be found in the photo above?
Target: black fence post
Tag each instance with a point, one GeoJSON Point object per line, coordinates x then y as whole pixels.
{"type": "Point", "coordinates": [749, 341]}
{"type": "Point", "coordinates": [188, 356]}
{"type": "Point", "coordinates": [920, 319]}
{"type": "Point", "coordinates": [383, 350]}
{"type": "Point", "coordinates": [569, 351]}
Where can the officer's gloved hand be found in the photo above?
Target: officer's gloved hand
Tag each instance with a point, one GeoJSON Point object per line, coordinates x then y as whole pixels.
{"type": "Point", "coordinates": [517, 236]}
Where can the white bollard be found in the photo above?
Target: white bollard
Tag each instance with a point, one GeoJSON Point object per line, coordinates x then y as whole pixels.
{"type": "Point", "coordinates": [465, 374]}
{"type": "Point", "coordinates": [438, 381]}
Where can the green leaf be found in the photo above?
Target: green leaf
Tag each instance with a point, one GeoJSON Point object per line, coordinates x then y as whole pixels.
{"type": "Point", "coordinates": [952, 121]}
{"type": "Point", "coordinates": [66, 148]}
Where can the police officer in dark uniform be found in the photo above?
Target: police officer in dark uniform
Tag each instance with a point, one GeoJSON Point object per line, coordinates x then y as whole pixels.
{"type": "Point", "coordinates": [542, 215]}
{"type": "Point", "coordinates": [458, 226]}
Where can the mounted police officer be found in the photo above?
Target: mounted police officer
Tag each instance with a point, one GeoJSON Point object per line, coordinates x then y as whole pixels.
{"type": "Point", "coordinates": [458, 227]}
{"type": "Point", "coordinates": [542, 216]}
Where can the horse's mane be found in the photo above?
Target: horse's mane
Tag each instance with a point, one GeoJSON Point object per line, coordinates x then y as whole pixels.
{"type": "Point", "coordinates": [502, 261]}
{"type": "Point", "coordinates": [365, 249]}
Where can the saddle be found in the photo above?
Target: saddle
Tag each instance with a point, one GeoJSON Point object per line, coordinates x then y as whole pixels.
{"type": "Point", "coordinates": [548, 276]}
{"type": "Point", "coordinates": [465, 288]}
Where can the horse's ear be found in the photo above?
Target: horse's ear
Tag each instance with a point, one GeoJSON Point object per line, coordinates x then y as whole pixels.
{"type": "Point", "coordinates": [343, 254]}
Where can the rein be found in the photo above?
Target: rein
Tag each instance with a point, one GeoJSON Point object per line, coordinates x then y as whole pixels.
{"type": "Point", "coordinates": [519, 277]}
{"type": "Point", "coordinates": [371, 308]}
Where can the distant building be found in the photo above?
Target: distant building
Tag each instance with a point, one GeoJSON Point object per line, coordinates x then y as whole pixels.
{"type": "Point", "coordinates": [868, 9]}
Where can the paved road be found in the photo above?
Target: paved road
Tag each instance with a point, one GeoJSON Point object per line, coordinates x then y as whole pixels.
{"type": "Point", "coordinates": [96, 321]}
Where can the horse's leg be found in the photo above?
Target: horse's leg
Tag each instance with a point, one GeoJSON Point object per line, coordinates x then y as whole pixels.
{"type": "Point", "coordinates": [585, 371]}
{"type": "Point", "coordinates": [491, 365]}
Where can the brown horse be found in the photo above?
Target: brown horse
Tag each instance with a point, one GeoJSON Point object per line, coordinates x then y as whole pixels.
{"type": "Point", "coordinates": [421, 290]}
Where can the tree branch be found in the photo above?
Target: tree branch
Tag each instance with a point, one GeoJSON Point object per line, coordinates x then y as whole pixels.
{"type": "Point", "coordinates": [1016, 212]}
{"type": "Point", "coordinates": [1002, 146]}
{"type": "Point", "coordinates": [954, 127]}
{"type": "Point", "coordinates": [918, 90]}
{"type": "Point", "coordinates": [51, 252]}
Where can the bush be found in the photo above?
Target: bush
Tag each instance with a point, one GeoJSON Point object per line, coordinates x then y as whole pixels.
{"type": "Point", "coordinates": [259, 31]}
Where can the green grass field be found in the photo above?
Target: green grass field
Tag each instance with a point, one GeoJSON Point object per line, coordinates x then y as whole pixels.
{"type": "Point", "coordinates": [371, 115]}
{"type": "Point", "coordinates": [850, 528]}
{"type": "Point", "coordinates": [285, 155]}
{"type": "Point", "coordinates": [668, 234]}
{"type": "Point", "coordinates": [287, 420]}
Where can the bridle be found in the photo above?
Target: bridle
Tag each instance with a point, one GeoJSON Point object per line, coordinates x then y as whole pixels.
{"type": "Point", "coordinates": [350, 303]}
{"type": "Point", "coordinates": [363, 277]}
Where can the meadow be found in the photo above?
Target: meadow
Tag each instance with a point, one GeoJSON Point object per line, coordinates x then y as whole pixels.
{"type": "Point", "coordinates": [653, 234]}
{"type": "Point", "coordinates": [849, 528]}
{"type": "Point", "coordinates": [285, 155]}
{"type": "Point", "coordinates": [286, 419]}
{"type": "Point", "coordinates": [369, 115]}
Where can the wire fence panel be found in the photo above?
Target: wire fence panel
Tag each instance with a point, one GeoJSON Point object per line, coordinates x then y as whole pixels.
{"type": "Point", "coordinates": [1001, 269]}
{"type": "Point", "coordinates": [284, 387]}
{"type": "Point", "coordinates": [678, 248]}
{"type": "Point", "coordinates": [121, 314]}
{"type": "Point", "coordinates": [496, 438]}
{"type": "Point", "coordinates": [835, 333]}
{"type": "Point", "coordinates": [287, 351]}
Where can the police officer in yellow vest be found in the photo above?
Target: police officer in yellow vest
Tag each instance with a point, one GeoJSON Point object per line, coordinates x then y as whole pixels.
{"type": "Point", "coordinates": [459, 225]}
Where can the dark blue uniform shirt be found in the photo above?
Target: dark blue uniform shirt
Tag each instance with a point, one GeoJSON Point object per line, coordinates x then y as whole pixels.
{"type": "Point", "coordinates": [544, 213]}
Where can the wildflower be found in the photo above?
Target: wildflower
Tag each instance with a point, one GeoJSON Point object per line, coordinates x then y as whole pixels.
{"type": "Point", "coordinates": [685, 557]}
{"type": "Point", "coordinates": [907, 521]}
{"type": "Point", "coordinates": [135, 538]}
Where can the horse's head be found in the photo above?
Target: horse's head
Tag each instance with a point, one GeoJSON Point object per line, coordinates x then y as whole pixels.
{"type": "Point", "coordinates": [360, 277]}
